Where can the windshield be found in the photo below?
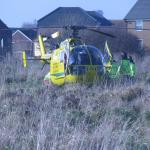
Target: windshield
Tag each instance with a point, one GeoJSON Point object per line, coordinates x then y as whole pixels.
{"type": "Point", "coordinates": [86, 55]}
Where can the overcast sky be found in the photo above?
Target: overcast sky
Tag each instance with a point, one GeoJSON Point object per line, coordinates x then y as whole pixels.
{"type": "Point", "coordinates": [16, 12]}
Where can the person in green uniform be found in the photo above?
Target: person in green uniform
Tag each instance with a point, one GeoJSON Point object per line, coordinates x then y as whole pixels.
{"type": "Point", "coordinates": [125, 70]}
{"type": "Point", "coordinates": [114, 71]}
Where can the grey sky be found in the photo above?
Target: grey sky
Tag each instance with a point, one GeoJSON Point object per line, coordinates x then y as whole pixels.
{"type": "Point", "coordinates": [16, 12]}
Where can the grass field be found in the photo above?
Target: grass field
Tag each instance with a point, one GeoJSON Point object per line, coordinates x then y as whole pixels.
{"type": "Point", "coordinates": [102, 116]}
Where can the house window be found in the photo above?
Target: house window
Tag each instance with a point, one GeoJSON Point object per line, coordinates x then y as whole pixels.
{"type": "Point", "coordinates": [140, 43]}
{"type": "Point", "coordinates": [139, 25]}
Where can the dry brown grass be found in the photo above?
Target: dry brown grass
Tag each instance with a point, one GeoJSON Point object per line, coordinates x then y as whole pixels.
{"type": "Point", "coordinates": [73, 117]}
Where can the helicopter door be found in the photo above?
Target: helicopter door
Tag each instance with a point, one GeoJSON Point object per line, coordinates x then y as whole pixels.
{"type": "Point", "coordinates": [57, 68]}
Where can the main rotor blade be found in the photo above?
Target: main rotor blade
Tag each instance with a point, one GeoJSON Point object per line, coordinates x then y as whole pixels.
{"type": "Point", "coordinates": [89, 28]}
{"type": "Point", "coordinates": [100, 32]}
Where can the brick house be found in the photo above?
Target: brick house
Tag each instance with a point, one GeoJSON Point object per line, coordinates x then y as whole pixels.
{"type": "Point", "coordinates": [23, 40]}
{"type": "Point", "coordinates": [5, 40]}
{"type": "Point", "coordinates": [65, 16]}
{"type": "Point", "coordinates": [138, 18]}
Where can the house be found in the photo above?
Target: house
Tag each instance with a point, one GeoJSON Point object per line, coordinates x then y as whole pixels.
{"type": "Point", "coordinates": [121, 24]}
{"type": "Point", "coordinates": [5, 40]}
{"type": "Point", "coordinates": [70, 16]}
{"type": "Point", "coordinates": [138, 19]}
{"type": "Point", "coordinates": [23, 40]}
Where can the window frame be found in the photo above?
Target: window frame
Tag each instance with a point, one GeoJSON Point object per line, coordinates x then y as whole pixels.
{"type": "Point", "coordinates": [139, 25]}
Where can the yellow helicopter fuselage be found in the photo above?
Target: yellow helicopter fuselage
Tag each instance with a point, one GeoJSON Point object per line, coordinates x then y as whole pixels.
{"type": "Point", "coordinates": [72, 62]}
{"type": "Point", "coordinates": [60, 71]}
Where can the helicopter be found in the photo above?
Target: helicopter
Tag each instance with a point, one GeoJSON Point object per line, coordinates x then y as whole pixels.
{"type": "Point", "coordinates": [74, 61]}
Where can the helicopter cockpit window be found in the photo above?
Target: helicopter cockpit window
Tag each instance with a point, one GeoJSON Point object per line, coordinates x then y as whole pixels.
{"type": "Point", "coordinates": [85, 55]}
{"type": "Point", "coordinates": [82, 56]}
{"type": "Point", "coordinates": [78, 56]}
{"type": "Point", "coordinates": [95, 55]}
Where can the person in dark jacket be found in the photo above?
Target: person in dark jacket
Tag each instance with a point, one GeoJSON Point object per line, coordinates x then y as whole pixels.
{"type": "Point", "coordinates": [124, 56]}
{"type": "Point", "coordinates": [131, 59]}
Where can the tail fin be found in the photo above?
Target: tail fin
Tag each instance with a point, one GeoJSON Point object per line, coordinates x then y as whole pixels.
{"type": "Point", "coordinates": [42, 47]}
{"type": "Point", "coordinates": [24, 57]}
